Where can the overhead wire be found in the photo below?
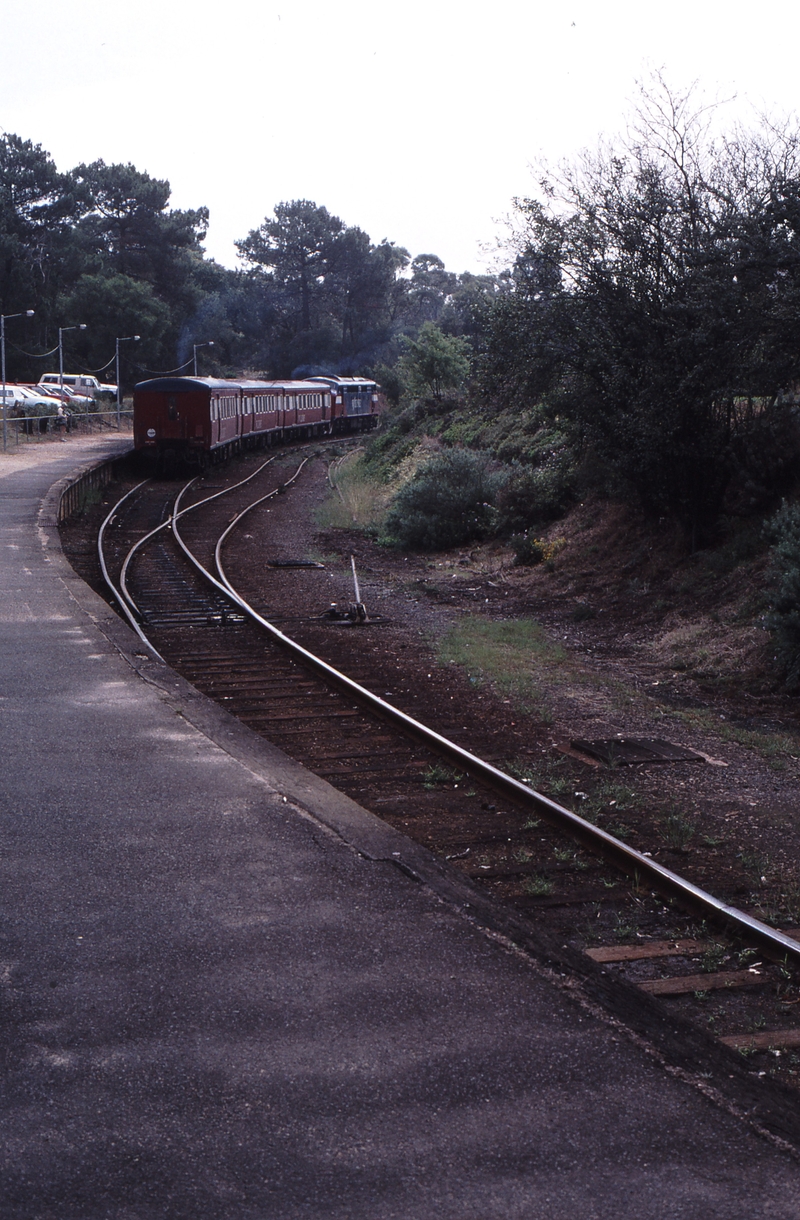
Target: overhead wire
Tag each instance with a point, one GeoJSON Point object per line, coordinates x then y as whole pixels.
{"type": "Point", "coordinates": [33, 355]}
{"type": "Point", "coordinates": [163, 372]}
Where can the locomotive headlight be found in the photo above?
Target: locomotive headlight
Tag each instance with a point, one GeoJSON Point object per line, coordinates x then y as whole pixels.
{"type": "Point", "coordinates": [151, 432]}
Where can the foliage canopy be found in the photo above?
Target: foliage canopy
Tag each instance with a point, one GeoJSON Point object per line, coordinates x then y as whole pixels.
{"type": "Point", "coordinates": [656, 300]}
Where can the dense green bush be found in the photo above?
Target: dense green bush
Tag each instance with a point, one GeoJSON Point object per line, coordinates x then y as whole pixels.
{"type": "Point", "coordinates": [528, 551]}
{"type": "Point", "coordinates": [531, 496]}
{"type": "Point", "coordinates": [784, 530]}
{"type": "Point", "coordinates": [449, 501]}
{"type": "Point", "coordinates": [764, 458]}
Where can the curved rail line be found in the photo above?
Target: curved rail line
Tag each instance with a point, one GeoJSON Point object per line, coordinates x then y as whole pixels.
{"type": "Point", "coordinates": [120, 596]}
{"type": "Point", "coordinates": [123, 579]}
{"type": "Point", "coordinates": [626, 859]}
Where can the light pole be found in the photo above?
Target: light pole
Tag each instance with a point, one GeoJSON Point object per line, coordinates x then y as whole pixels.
{"type": "Point", "coordinates": [122, 339]}
{"type": "Point", "coordinates": [61, 331]}
{"type": "Point", "coordinates": [28, 313]}
{"type": "Point", "coordinates": [195, 346]}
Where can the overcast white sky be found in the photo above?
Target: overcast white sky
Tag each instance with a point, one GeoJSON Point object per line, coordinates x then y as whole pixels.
{"type": "Point", "coordinates": [417, 121]}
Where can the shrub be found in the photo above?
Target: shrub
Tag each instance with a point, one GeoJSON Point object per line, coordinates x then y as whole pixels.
{"type": "Point", "coordinates": [784, 530]}
{"type": "Point", "coordinates": [765, 460]}
{"type": "Point", "coordinates": [530, 496]}
{"type": "Point", "coordinates": [528, 551]}
{"type": "Point", "coordinates": [448, 502]}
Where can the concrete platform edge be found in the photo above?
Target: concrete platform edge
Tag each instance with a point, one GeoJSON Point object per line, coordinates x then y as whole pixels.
{"type": "Point", "coordinates": [766, 1106]}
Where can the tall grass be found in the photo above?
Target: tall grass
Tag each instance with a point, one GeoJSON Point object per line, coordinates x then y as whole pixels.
{"type": "Point", "coordinates": [357, 500]}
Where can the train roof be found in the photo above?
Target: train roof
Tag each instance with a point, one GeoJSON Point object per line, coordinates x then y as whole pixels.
{"type": "Point", "coordinates": [170, 385]}
{"type": "Point", "coordinates": [310, 384]}
{"type": "Point", "coordinates": [361, 382]}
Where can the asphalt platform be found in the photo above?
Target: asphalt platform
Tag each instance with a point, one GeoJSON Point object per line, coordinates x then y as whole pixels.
{"type": "Point", "coordinates": [228, 991]}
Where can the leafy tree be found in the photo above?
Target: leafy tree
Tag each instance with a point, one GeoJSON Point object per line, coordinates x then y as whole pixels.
{"type": "Point", "coordinates": [656, 298]}
{"type": "Point", "coordinates": [429, 289]}
{"type": "Point", "coordinates": [435, 362]}
{"type": "Point", "coordinates": [295, 245]}
{"type": "Point", "coordinates": [112, 306]}
{"type": "Point", "coordinates": [36, 212]}
{"type": "Point", "coordinates": [329, 297]}
{"type": "Point", "coordinates": [469, 306]}
{"type": "Point", "coordinates": [125, 222]}
{"type": "Point", "coordinates": [101, 245]}
{"type": "Point", "coordinates": [361, 284]}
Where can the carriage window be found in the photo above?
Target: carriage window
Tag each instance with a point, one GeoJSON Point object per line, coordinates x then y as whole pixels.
{"type": "Point", "coordinates": [172, 407]}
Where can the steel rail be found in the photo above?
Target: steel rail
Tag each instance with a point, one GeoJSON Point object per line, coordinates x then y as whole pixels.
{"type": "Point", "coordinates": [627, 859]}
{"type": "Point", "coordinates": [107, 578]}
{"type": "Point", "coordinates": [223, 536]}
{"type": "Point", "coordinates": [123, 579]}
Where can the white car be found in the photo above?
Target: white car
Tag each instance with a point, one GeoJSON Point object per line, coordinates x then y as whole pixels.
{"type": "Point", "coordinates": [82, 383]}
{"type": "Point", "coordinates": [67, 397]}
{"type": "Point", "coordinates": [37, 404]}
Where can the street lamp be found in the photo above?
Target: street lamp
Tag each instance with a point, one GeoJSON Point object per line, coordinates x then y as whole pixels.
{"type": "Point", "coordinates": [28, 313]}
{"type": "Point", "coordinates": [195, 346]}
{"type": "Point", "coordinates": [61, 331]}
{"type": "Point", "coordinates": [122, 339]}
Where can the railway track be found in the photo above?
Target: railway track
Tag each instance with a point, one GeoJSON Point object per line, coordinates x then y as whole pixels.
{"type": "Point", "coordinates": [176, 592]}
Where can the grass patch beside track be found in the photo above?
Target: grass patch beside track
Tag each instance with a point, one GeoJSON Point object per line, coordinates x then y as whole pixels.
{"type": "Point", "coordinates": [775, 747]}
{"type": "Point", "coordinates": [357, 499]}
{"type": "Point", "coordinates": [510, 656]}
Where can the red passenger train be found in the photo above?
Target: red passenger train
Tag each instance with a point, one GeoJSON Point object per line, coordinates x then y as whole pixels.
{"type": "Point", "coordinates": [197, 419]}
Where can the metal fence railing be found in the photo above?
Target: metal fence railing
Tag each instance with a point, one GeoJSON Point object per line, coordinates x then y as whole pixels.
{"type": "Point", "coordinates": [21, 430]}
{"type": "Point", "coordinates": [86, 489]}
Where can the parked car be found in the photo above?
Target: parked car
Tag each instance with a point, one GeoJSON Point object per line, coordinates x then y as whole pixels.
{"type": "Point", "coordinates": [82, 383]}
{"type": "Point", "coordinates": [66, 396]}
{"type": "Point", "coordinates": [30, 401]}
{"type": "Point", "coordinates": [21, 402]}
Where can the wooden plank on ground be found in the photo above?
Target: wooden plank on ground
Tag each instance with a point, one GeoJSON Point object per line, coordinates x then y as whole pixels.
{"type": "Point", "coordinates": [637, 953]}
{"type": "Point", "coordinates": [764, 1041]}
{"type": "Point", "coordinates": [702, 982]}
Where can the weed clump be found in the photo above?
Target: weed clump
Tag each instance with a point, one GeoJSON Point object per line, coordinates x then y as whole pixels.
{"type": "Point", "coordinates": [449, 501]}
{"type": "Point", "coordinates": [528, 551]}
